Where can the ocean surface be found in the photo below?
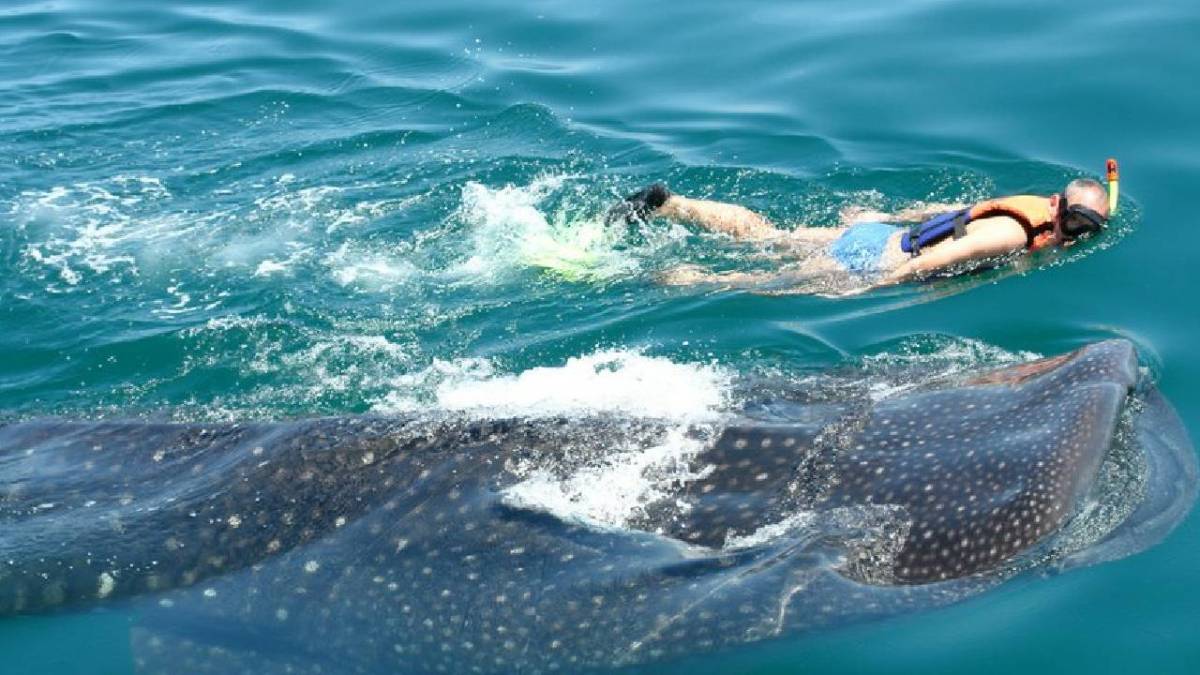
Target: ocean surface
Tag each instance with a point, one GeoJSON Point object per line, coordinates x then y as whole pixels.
{"type": "Point", "coordinates": [232, 211]}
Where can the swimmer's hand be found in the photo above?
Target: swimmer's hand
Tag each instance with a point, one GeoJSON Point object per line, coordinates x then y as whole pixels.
{"type": "Point", "coordinates": [847, 293]}
{"type": "Point", "coordinates": [684, 275]}
{"type": "Point", "coordinates": [901, 274]}
{"type": "Point", "coordinates": [853, 215]}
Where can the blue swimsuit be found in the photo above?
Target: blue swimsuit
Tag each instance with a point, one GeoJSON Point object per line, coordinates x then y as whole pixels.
{"type": "Point", "coordinates": [860, 247]}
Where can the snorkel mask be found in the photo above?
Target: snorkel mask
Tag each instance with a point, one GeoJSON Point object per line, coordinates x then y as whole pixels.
{"type": "Point", "coordinates": [1076, 220]}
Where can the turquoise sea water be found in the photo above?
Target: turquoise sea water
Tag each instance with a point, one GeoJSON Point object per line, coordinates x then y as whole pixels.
{"type": "Point", "coordinates": [220, 211]}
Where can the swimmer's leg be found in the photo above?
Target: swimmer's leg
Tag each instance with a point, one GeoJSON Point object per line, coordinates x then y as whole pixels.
{"type": "Point", "coordinates": [736, 221]}
{"type": "Point", "coordinates": [656, 200]}
{"type": "Point", "coordinates": [732, 219]}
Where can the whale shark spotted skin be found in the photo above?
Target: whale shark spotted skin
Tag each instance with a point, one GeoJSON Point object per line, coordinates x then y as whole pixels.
{"type": "Point", "coordinates": [394, 545]}
{"type": "Point", "coordinates": [973, 497]}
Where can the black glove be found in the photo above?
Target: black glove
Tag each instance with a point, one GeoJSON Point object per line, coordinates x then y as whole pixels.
{"type": "Point", "coordinates": [638, 206]}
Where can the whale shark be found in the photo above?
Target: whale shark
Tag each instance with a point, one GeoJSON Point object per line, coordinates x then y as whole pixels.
{"type": "Point", "coordinates": [419, 544]}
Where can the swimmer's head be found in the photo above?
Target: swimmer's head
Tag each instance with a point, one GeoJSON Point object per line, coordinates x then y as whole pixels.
{"type": "Point", "coordinates": [1082, 210]}
{"type": "Point", "coordinates": [1089, 193]}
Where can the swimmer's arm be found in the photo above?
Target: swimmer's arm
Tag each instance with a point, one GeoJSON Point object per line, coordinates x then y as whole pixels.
{"type": "Point", "coordinates": [993, 239]}
{"type": "Point", "coordinates": [688, 275]}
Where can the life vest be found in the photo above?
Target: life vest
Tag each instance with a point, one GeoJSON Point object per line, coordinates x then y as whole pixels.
{"type": "Point", "coordinates": [1031, 211]}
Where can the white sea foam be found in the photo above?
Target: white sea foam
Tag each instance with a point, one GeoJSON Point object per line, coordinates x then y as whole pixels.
{"type": "Point", "coordinates": [92, 228]}
{"type": "Point", "coordinates": [268, 267]}
{"type": "Point", "coordinates": [127, 226]}
{"type": "Point", "coordinates": [608, 381]}
{"type": "Point", "coordinates": [344, 362]}
{"type": "Point", "coordinates": [771, 531]}
{"type": "Point", "coordinates": [611, 492]}
{"type": "Point", "coordinates": [304, 365]}
{"type": "Point", "coordinates": [327, 206]}
{"type": "Point", "coordinates": [369, 269]}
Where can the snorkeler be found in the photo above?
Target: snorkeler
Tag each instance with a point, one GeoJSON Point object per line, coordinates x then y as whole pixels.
{"type": "Point", "coordinates": [947, 238]}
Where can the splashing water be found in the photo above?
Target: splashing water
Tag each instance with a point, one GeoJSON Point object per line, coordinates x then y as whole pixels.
{"type": "Point", "coordinates": [605, 382]}
{"type": "Point", "coordinates": [509, 231]}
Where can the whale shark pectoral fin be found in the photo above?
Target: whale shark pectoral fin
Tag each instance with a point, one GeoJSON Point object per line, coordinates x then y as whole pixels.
{"type": "Point", "coordinates": [754, 474]}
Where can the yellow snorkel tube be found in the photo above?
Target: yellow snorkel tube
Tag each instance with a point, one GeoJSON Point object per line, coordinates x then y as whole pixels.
{"type": "Point", "coordinates": [1114, 186]}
